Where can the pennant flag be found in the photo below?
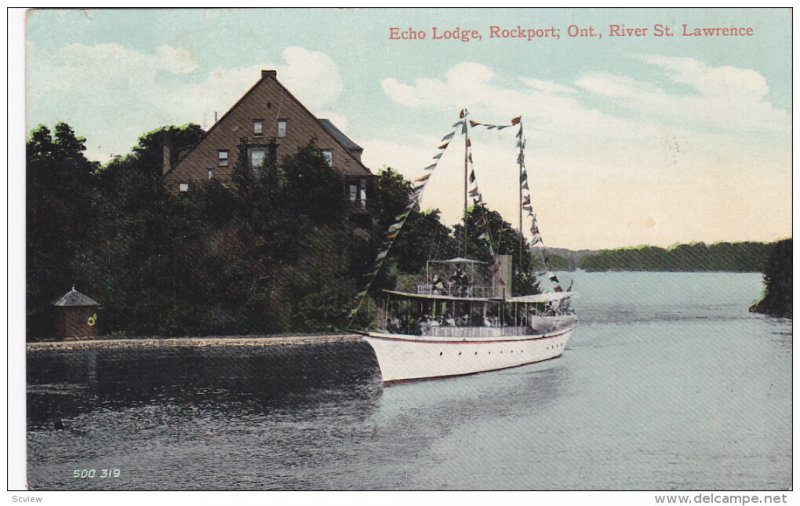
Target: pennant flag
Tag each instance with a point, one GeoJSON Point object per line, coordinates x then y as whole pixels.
{"type": "Point", "coordinates": [469, 142]}
{"type": "Point", "coordinates": [570, 285]}
{"type": "Point", "coordinates": [489, 127]}
{"type": "Point", "coordinates": [419, 187]}
{"type": "Point", "coordinates": [554, 278]}
{"type": "Point", "coordinates": [525, 185]}
{"type": "Point", "coordinates": [352, 313]}
{"type": "Point", "coordinates": [391, 235]}
{"type": "Point", "coordinates": [462, 113]}
{"type": "Point", "coordinates": [519, 134]}
{"type": "Point", "coordinates": [469, 157]}
{"type": "Point", "coordinates": [361, 293]}
{"type": "Point", "coordinates": [482, 236]}
{"type": "Point", "coordinates": [536, 239]}
{"type": "Point", "coordinates": [473, 192]}
{"type": "Point", "coordinates": [472, 176]}
{"type": "Point", "coordinates": [395, 226]}
{"type": "Point", "coordinates": [474, 123]}
{"type": "Point", "coordinates": [516, 120]}
{"type": "Point", "coordinates": [401, 216]}
{"type": "Point", "coordinates": [382, 254]}
{"type": "Point", "coordinates": [558, 289]}
{"type": "Point", "coordinates": [437, 156]}
{"type": "Point", "coordinates": [448, 136]}
{"type": "Point", "coordinates": [457, 123]}
{"type": "Point", "coordinates": [423, 178]}
{"type": "Point", "coordinates": [430, 167]}
{"type": "Point", "coordinates": [500, 127]}
{"type": "Point", "coordinates": [523, 178]}
{"type": "Point", "coordinates": [443, 146]}
{"type": "Point", "coordinates": [526, 200]}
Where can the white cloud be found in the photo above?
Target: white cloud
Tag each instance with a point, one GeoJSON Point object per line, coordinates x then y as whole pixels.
{"type": "Point", "coordinates": [725, 97]}
{"type": "Point", "coordinates": [612, 157]}
{"type": "Point", "coordinates": [79, 83]}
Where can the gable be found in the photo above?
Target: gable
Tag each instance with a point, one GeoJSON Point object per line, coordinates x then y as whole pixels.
{"type": "Point", "coordinates": [268, 102]}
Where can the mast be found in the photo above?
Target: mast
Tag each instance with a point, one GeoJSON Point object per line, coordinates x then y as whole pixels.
{"type": "Point", "coordinates": [521, 164]}
{"type": "Point", "coordinates": [521, 234]}
{"type": "Point", "coordinates": [466, 169]}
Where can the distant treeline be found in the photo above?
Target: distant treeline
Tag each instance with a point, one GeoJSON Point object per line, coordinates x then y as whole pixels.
{"type": "Point", "coordinates": [722, 257]}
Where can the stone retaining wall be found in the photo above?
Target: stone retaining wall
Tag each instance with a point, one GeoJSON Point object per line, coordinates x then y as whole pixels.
{"type": "Point", "coordinates": [191, 342]}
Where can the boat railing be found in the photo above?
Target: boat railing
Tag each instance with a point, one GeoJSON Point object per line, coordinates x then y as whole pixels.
{"type": "Point", "coordinates": [473, 331]}
{"type": "Point", "coordinates": [474, 291]}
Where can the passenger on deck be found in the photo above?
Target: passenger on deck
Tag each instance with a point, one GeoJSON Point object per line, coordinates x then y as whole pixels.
{"type": "Point", "coordinates": [438, 284]}
{"type": "Point", "coordinates": [460, 282]}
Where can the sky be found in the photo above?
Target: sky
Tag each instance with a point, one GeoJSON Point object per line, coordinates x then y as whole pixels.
{"type": "Point", "coordinates": [630, 139]}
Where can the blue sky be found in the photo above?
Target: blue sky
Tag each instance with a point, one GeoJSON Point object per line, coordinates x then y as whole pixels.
{"type": "Point", "coordinates": [635, 140]}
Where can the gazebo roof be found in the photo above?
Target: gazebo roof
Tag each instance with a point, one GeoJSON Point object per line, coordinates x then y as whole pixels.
{"type": "Point", "coordinates": [75, 298]}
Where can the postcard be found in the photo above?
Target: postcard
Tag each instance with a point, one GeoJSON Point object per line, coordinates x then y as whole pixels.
{"type": "Point", "coordinates": [537, 249]}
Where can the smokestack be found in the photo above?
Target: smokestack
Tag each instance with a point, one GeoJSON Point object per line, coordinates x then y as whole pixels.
{"type": "Point", "coordinates": [166, 163]}
{"type": "Point", "coordinates": [269, 73]}
{"type": "Point", "coordinates": [215, 117]}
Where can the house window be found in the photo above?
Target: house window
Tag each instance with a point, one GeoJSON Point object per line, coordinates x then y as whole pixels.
{"type": "Point", "coordinates": [327, 154]}
{"type": "Point", "coordinates": [184, 187]}
{"type": "Point", "coordinates": [223, 157]}
{"type": "Point", "coordinates": [258, 127]}
{"type": "Point", "coordinates": [281, 128]}
{"type": "Point", "coordinates": [257, 156]}
{"type": "Point", "coordinates": [353, 193]}
{"type": "Point", "coordinates": [210, 174]}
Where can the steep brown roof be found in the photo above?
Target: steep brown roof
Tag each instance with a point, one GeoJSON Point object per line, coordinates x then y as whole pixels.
{"type": "Point", "coordinates": [234, 124]}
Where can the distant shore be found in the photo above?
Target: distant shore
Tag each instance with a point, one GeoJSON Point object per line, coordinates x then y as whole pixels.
{"type": "Point", "coordinates": [189, 342]}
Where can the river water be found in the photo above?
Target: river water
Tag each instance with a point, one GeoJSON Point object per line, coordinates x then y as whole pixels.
{"type": "Point", "coordinates": [668, 383]}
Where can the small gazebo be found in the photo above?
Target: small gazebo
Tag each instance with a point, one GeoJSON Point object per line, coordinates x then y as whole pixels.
{"type": "Point", "coordinates": [76, 316]}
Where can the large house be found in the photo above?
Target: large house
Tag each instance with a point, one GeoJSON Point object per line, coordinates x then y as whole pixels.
{"type": "Point", "coordinates": [269, 123]}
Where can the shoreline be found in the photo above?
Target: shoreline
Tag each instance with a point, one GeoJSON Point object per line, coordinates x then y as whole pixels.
{"type": "Point", "coordinates": [190, 342]}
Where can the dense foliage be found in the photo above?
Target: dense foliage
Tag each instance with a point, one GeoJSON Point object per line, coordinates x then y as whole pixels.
{"type": "Point", "coordinates": [777, 299]}
{"type": "Point", "coordinates": [723, 257]}
{"type": "Point", "coordinates": [274, 251]}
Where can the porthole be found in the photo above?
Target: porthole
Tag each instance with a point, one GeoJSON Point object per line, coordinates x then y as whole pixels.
{"type": "Point", "coordinates": [440, 353]}
{"type": "Point", "coordinates": [459, 353]}
{"type": "Point", "coordinates": [476, 352]}
{"type": "Point", "coordinates": [512, 351]}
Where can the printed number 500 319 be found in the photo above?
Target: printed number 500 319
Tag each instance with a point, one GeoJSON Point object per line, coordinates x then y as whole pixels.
{"type": "Point", "coordinates": [92, 473]}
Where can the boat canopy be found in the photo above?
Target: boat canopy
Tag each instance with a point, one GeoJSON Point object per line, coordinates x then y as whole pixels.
{"type": "Point", "coordinates": [436, 296]}
{"type": "Point", "coordinates": [544, 297]}
{"type": "Point", "coordinates": [457, 260]}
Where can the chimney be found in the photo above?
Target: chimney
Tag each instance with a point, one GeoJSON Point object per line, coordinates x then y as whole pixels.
{"type": "Point", "coordinates": [166, 163]}
{"type": "Point", "coordinates": [269, 73]}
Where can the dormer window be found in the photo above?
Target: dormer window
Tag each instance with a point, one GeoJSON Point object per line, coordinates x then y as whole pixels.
{"type": "Point", "coordinates": [222, 155]}
{"type": "Point", "coordinates": [327, 154]}
{"type": "Point", "coordinates": [258, 127]}
{"type": "Point", "coordinates": [281, 128]}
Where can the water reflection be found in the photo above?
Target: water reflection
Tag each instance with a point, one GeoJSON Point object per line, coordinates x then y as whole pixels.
{"type": "Point", "coordinates": [62, 385]}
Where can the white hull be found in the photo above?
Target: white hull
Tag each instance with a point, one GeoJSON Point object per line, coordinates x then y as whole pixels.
{"type": "Point", "coordinates": [407, 357]}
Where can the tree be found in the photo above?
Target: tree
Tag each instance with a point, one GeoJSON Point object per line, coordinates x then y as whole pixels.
{"type": "Point", "coordinates": [61, 190]}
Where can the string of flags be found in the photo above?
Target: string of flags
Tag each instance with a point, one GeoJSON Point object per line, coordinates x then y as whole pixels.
{"type": "Point", "coordinates": [474, 193]}
{"type": "Point", "coordinates": [394, 229]}
{"type": "Point", "coordinates": [525, 203]}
